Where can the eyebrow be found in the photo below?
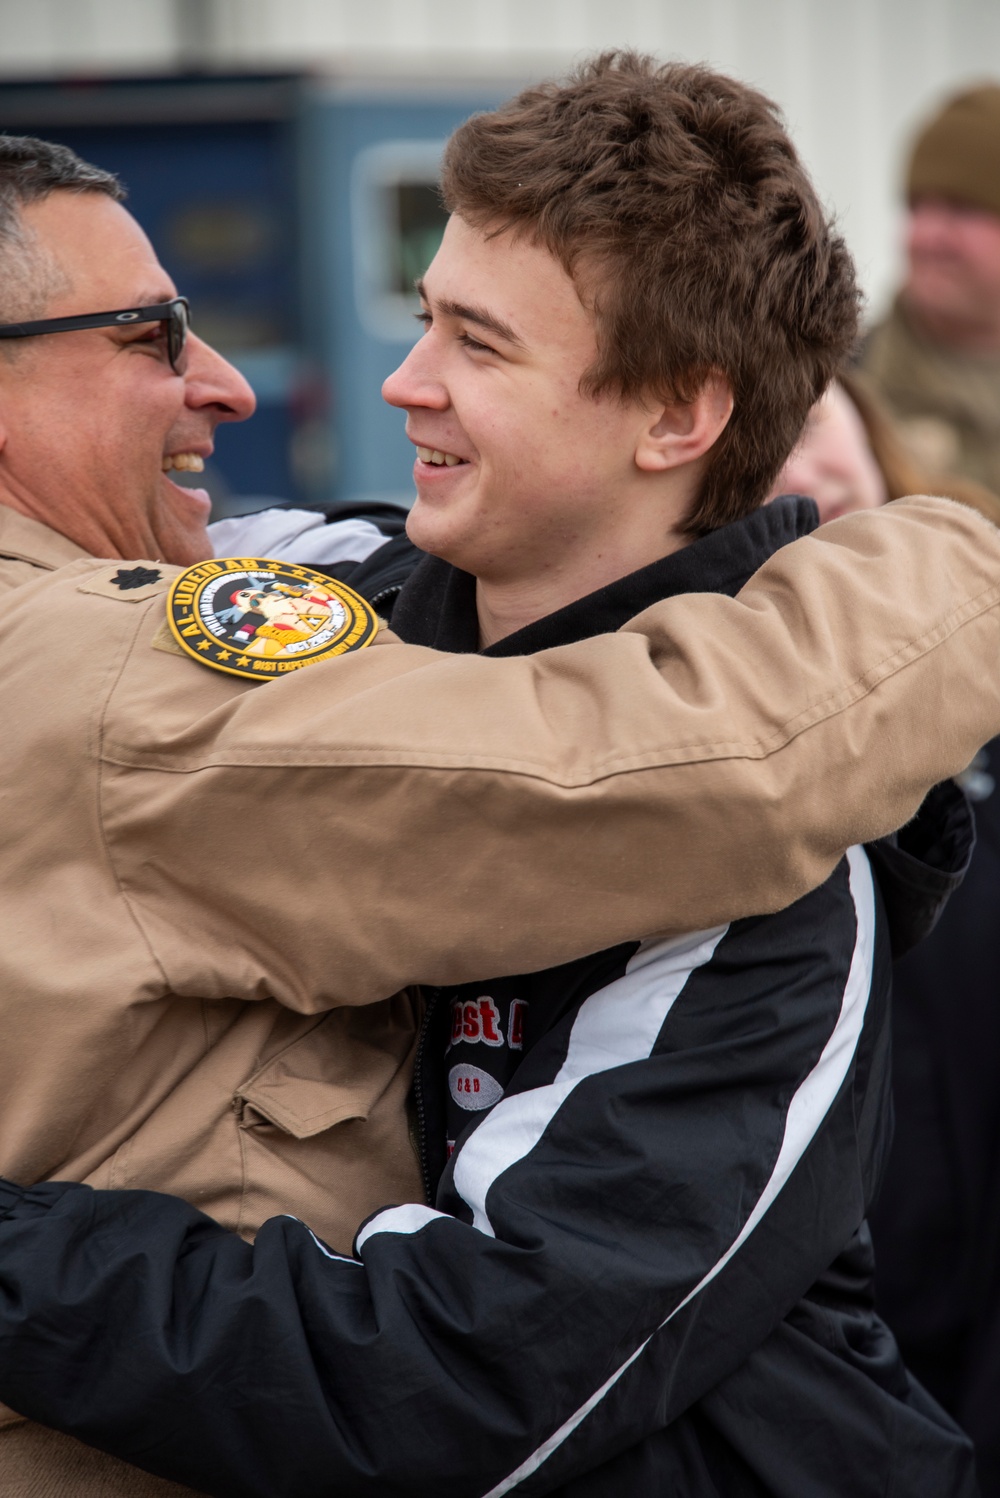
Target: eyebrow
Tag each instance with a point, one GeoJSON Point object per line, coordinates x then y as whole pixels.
{"type": "Point", "coordinates": [481, 316]}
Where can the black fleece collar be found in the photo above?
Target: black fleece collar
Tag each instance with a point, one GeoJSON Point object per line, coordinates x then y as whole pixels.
{"type": "Point", "coordinates": [438, 603]}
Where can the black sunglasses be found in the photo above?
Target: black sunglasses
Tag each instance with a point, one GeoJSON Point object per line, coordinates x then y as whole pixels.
{"type": "Point", "coordinates": [175, 317]}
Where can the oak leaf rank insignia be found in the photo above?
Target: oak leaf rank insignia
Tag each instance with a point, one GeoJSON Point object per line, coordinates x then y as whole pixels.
{"type": "Point", "coordinates": [257, 618]}
{"type": "Point", "coordinates": [136, 577]}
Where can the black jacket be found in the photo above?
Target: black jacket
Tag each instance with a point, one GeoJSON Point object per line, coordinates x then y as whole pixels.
{"type": "Point", "coordinates": [645, 1270]}
{"type": "Point", "coordinates": [937, 1224]}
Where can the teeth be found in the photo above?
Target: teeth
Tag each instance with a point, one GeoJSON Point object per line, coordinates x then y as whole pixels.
{"type": "Point", "coordinates": [435, 455]}
{"type": "Point", "coordinates": [184, 462]}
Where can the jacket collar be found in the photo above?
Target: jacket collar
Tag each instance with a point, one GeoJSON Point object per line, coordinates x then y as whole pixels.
{"type": "Point", "coordinates": [437, 606]}
{"type": "Point", "coordinates": [25, 540]}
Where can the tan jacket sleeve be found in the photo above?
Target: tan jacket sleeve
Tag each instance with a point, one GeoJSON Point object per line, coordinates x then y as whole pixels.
{"type": "Point", "coordinates": [396, 815]}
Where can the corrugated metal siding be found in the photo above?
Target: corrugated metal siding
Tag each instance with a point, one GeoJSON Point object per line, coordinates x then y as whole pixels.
{"type": "Point", "coordinates": [852, 77]}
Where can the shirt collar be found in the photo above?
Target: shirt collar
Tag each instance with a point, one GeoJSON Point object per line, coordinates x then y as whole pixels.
{"type": "Point", "coordinates": [25, 540]}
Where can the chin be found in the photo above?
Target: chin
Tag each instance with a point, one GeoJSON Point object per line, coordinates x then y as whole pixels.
{"type": "Point", "coordinates": [430, 532]}
{"type": "Point", "coordinates": [179, 526]}
{"type": "Point", "coordinates": [183, 546]}
{"type": "Point", "coordinates": [938, 293]}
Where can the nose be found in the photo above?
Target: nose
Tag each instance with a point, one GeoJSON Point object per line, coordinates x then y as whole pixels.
{"type": "Point", "coordinates": [212, 384]}
{"type": "Point", "coordinates": [930, 227]}
{"type": "Point", "coordinates": [415, 384]}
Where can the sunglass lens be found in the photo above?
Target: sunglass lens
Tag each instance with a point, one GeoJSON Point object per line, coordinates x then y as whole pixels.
{"type": "Point", "coordinates": [177, 331]}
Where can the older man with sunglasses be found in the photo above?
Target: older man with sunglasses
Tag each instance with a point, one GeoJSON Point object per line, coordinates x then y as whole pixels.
{"type": "Point", "coordinates": [91, 420]}
{"type": "Point", "coordinates": [127, 1067]}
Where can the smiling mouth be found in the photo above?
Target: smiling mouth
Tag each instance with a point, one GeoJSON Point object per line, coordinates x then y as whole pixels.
{"type": "Point", "coordinates": [438, 458]}
{"type": "Point", "coordinates": [184, 463]}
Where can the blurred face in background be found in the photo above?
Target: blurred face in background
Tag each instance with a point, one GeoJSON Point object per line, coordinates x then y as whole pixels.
{"type": "Point", "coordinates": [953, 281]}
{"type": "Point", "coordinates": [833, 463]}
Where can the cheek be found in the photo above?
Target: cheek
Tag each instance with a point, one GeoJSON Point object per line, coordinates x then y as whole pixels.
{"type": "Point", "coordinates": [795, 478]}
{"type": "Point", "coordinates": [129, 435]}
{"type": "Point", "coordinates": [581, 445]}
{"type": "Point", "coordinates": [870, 484]}
{"type": "Point", "coordinates": [983, 255]}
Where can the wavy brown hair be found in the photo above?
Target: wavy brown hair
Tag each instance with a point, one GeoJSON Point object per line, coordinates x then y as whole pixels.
{"type": "Point", "coordinates": [675, 199]}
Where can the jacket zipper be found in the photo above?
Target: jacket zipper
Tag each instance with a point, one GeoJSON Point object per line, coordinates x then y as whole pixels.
{"type": "Point", "coordinates": [384, 593]}
{"type": "Point", "coordinates": [433, 998]}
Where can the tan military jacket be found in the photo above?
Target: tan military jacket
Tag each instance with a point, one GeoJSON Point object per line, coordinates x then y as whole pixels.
{"type": "Point", "coordinates": [210, 886]}
{"type": "Point", "coordinates": [246, 1109]}
{"type": "Point", "coordinates": [947, 404]}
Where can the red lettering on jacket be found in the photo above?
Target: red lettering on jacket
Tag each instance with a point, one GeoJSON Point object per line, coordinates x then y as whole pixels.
{"type": "Point", "coordinates": [475, 1021]}
{"type": "Point", "coordinates": [489, 1020]}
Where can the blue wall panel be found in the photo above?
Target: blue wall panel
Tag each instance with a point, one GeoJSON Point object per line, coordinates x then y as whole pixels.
{"type": "Point", "coordinates": [372, 455]}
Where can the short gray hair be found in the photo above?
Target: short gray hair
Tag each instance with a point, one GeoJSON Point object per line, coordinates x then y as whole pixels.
{"type": "Point", "coordinates": [31, 169]}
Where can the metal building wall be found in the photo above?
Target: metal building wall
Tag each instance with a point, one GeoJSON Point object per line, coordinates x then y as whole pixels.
{"type": "Point", "coordinates": [852, 76]}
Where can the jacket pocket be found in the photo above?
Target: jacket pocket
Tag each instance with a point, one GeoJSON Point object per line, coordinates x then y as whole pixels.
{"type": "Point", "coordinates": [339, 1070]}
{"type": "Point", "coordinates": [322, 1124]}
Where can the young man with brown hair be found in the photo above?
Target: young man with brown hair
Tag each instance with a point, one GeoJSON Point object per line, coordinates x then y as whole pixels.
{"type": "Point", "coordinates": [645, 1269]}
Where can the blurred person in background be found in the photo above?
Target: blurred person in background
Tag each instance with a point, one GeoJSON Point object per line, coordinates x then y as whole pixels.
{"type": "Point", "coordinates": [936, 358]}
{"type": "Point", "coordinates": [851, 457]}
{"type": "Point", "coordinates": [936, 1224]}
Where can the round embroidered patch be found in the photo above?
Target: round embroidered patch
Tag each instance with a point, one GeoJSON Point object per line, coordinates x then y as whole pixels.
{"type": "Point", "coordinates": [258, 618]}
{"type": "Point", "coordinates": [472, 1088]}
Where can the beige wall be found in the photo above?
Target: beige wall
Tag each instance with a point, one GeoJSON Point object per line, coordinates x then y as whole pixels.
{"type": "Point", "coordinates": [852, 76]}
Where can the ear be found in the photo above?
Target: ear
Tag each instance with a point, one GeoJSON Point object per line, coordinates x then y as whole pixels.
{"type": "Point", "coordinates": [681, 432]}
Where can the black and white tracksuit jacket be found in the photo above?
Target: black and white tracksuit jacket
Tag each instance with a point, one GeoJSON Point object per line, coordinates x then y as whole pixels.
{"type": "Point", "coordinates": [644, 1268]}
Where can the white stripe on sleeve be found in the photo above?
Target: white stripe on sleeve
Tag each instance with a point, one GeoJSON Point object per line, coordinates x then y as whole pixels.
{"type": "Point", "coordinates": [617, 1025]}
{"type": "Point", "coordinates": [301, 536]}
{"type": "Point", "coordinates": [409, 1218]}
